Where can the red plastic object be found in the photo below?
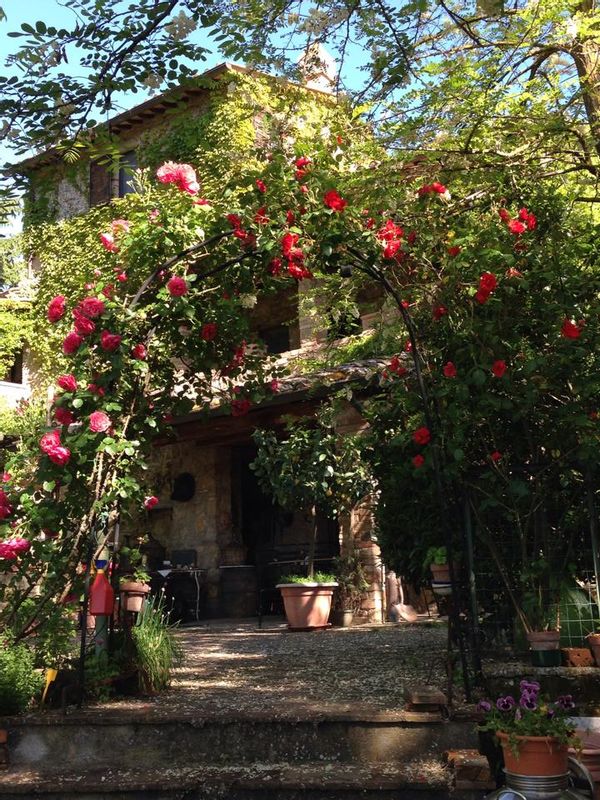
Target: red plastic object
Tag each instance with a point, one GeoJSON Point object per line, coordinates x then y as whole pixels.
{"type": "Point", "coordinates": [102, 596]}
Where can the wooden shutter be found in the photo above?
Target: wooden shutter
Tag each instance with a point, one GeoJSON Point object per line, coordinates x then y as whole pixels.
{"type": "Point", "coordinates": [100, 184]}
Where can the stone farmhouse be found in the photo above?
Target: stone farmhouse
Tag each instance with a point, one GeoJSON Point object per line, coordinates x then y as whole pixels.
{"type": "Point", "coordinates": [213, 527]}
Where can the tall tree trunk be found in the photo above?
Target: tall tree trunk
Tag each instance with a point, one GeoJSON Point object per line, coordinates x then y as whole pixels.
{"type": "Point", "coordinates": [586, 55]}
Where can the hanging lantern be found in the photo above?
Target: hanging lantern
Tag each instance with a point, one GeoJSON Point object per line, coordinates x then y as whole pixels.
{"type": "Point", "coordinates": [102, 596]}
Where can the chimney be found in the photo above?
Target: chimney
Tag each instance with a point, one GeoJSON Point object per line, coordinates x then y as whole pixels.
{"type": "Point", "coordinates": [319, 68]}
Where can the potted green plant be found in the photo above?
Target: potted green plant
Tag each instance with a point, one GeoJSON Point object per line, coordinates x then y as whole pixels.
{"type": "Point", "coordinates": [352, 583]}
{"type": "Point", "coordinates": [312, 469]}
{"type": "Point", "coordinates": [541, 609]}
{"type": "Point", "coordinates": [534, 733]}
{"type": "Point", "coordinates": [134, 585]}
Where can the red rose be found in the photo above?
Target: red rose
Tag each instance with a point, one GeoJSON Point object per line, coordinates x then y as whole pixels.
{"type": "Point", "coordinates": [496, 456]}
{"type": "Point", "coordinates": [302, 162]}
{"type": "Point", "coordinates": [454, 250]}
{"type": "Point", "coordinates": [397, 367]}
{"type": "Point", "coordinates": [422, 436]}
{"type": "Point", "coordinates": [122, 277]}
{"type": "Point", "coordinates": [110, 341]}
{"type": "Point", "coordinates": [63, 416]}
{"type": "Point", "coordinates": [67, 382]}
{"type": "Point", "coordinates": [450, 370]}
{"type": "Point", "coordinates": [150, 502]}
{"type": "Point", "coordinates": [71, 343]}
{"type": "Point", "coordinates": [304, 189]}
{"type": "Point", "coordinates": [182, 175]}
{"type": "Point", "coordinates": [234, 220]}
{"type": "Point", "coordinates": [418, 461]}
{"type": "Point", "coordinates": [531, 222]}
{"type": "Point", "coordinates": [333, 200]}
{"type": "Point", "coordinates": [94, 389]}
{"type": "Point", "coordinates": [482, 296]}
{"type": "Point", "coordinates": [390, 232]}
{"type": "Point", "coordinates": [504, 215]}
{"type": "Point", "coordinates": [108, 291]}
{"type": "Point", "coordinates": [516, 227]}
{"type": "Point", "coordinates": [240, 407]}
{"type": "Point", "coordinates": [275, 266]}
{"type": "Point", "coordinates": [261, 216]}
{"type": "Point", "coordinates": [208, 331]}
{"type": "Point", "coordinates": [49, 441]}
{"type": "Point", "coordinates": [56, 308]}
{"type": "Point", "coordinates": [261, 186]}
{"type": "Point", "coordinates": [92, 307]}
{"type": "Point", "coordinates": [289, 217]}
{"type": "Point", "coordinates": [488, 282]}
{"type": "Point", "coordinates": [570, 330]}
{"type": "Point", "coordinates": [288, 241]}
{"type": "Point", "coordinates": [499, 368]}
{"type": "Point", "coordinates": [83, 325]}
{"type": "Point", "coordinates": [439, 312]}
{"type": "Point", "coordinates": [391, 249]}
{"type": "Point", "coordinates": [177, 286]}
{"type": "Point", "coordinates": [99, 422]}
{"type": "Point", "coordinates": [512, 272]}
{"type": "Point", "coordinates": [139, 352]}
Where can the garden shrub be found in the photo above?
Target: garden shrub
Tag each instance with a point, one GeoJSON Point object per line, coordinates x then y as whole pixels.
{"type": "Point", "coordinates": [19, 681]}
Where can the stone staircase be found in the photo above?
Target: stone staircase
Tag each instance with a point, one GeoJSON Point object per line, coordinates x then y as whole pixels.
{"type": "Point", "coordinates": [95, 755]}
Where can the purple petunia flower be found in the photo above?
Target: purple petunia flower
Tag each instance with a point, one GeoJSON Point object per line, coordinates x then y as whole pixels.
{"type": "Point", "coordinates": [505, 703]}
{"type": "Point", "coordinates": [484, 705]}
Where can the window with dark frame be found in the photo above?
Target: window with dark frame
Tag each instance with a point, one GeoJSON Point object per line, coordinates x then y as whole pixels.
{"type": "Point", "coordinates": [276, 339]}
{"type": "Point", "coordinates": [128, 163]}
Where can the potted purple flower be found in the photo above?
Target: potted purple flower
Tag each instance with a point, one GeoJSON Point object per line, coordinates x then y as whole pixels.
{"type": "Point", "coordinates": [534, 733]}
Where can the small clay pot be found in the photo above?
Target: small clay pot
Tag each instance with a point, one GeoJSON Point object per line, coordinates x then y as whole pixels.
{"type": "Point", "coordinates": [440, 573]}
{"type": "Point", "coordinates": [133, 594]}
{"type": "Point", "coordinates": [544, 640]}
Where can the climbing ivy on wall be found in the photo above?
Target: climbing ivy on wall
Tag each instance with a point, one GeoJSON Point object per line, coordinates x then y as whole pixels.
{"type": "Point", "coordinates": [13, 266]}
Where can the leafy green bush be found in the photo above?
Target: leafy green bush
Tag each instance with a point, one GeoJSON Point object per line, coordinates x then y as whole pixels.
{"type": "Point", "coordinates": [19, 682]}
{"type": "Point", "coordinates": [156, 651]}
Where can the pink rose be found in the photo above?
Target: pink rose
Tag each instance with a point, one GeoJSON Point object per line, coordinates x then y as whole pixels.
{"type": "Point", "coordinates": [120, 226]}
{"type": "Point", "coordinates": [99, 422]}
{"type": "Point", "coordinates": [5, 477]}
{"type": "Point", "coordinates": [18, 544]}
{"type": "Point", "coordinates": [56, 308]}
{"type": "Point", "coordinates": [150, 502]}
{"type": "Point", "coordinates": [139, 352]}
{"type": "Point", "coordinates": [182, 175]}
{"type": "Point", "coordinates": [63, 416]}
{"type": "Point", "coordinates": [177, 286]}
{"type": "Point", "coordinates": [60, 455]}
{"type": "Point", "coordinates": [49, 441]}
{"type": "Point", "coordinates": [110, 341]}
{"type": "Point", "coordinates": [67, 382]}
{"type": "Point", "coordinates": [71, 343]}
{"type": "Point", "coordinates": [92, 307]}
{"type": "Point", "coordinates": [108, 242]}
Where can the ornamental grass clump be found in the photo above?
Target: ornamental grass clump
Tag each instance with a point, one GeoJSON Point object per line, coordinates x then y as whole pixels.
{"type": "Point", "coordinates": [156, 651]}
{"type": "Point", "coordinates": [530, 715]}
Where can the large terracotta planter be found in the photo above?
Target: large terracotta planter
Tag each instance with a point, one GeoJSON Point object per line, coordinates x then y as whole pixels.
{"type": "Point", "coordinates": [440, 573]}
{"type": "Point", "coordinates": [307, 605]}
{"type": "Point", "coordinates": [594, 643]}
{"type": "Point", "coordinates": [544, 640]}
{"type": "Point", "coordinates": [535, 756]}
{"type": "Point", "coordinates": [133, 594]}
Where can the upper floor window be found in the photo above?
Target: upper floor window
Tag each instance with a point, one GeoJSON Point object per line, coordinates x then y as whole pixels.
{"type": "Point", "coordinates": [100, 184]}
{"type": "Point", "coordinates": [15, 373]}
{"type": "Point", "coordinates": [128, 164]}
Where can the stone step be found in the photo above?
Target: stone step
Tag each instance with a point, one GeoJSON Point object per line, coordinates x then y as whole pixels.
{"type": "Point", "coordinates": [85, 740]}
{"type": "Point", "coordinates": [416, 780]}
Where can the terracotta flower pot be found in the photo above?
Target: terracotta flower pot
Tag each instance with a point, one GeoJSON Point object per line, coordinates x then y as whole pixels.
{"type": "Point", "coordinates": [307, 605]}
{"type": "Point", "coordinates": [440, 572]}
{"type": "Point", "coordinates": [536, 756]}
{"type": "Point", "coordinates": [544, 640]}
{"type": "Point", "coordinates": [577, 657]}
{"type": "Point", "coordinates": [133, 594]}
{"type": "Point", "coordinates": [594, 643]}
